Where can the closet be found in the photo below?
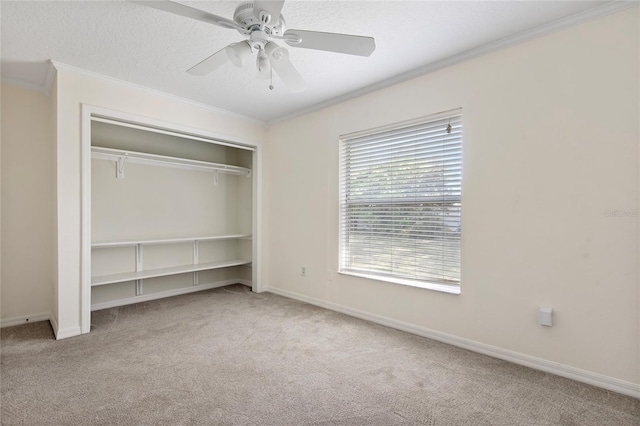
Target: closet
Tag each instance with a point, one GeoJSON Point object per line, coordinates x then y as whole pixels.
{"type": "Point", "coordinates": [171, 213]}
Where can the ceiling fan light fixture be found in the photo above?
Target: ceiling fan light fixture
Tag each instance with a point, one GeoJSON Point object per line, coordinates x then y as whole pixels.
{"type": "Point", "coordinates": [275, 52]}
{"type": "Point", "coordinates": [238, 53]}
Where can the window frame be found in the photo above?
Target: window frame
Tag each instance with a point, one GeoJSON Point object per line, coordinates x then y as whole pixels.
{"type": "Point", "coordinates": [434, 284]}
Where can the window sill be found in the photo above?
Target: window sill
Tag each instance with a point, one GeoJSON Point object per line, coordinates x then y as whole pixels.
{"type": "Point", "coordinates": [426, 285]}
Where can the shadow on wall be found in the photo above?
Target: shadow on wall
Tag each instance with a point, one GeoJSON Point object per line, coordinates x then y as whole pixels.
{"type": "Point", "coordinates": [30, 73]}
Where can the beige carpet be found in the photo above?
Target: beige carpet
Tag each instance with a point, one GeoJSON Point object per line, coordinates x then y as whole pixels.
{"type": "Point", "coordinates": [229, 356]}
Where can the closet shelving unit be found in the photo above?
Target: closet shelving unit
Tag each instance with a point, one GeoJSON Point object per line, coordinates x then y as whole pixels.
{"type": "Point", "coordinates": [167, 209]}
{"type": "Point", "coordinates": [121, 159]}
{"type": "Point", "coordinates": [140, 273]}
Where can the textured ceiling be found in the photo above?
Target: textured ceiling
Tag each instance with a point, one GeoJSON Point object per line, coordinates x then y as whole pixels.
{"type": "Point", "coordinates": [152, 48]}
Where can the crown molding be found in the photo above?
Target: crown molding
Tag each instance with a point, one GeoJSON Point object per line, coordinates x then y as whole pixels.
{"type": "Point", "coordinates": [50, 79]}
{"type": "Point", "coordinates": [65, 67]}
{"type": "Point", "coordinates": [560, 24]}
{"type": "Point", "coordinates": [45, 87]}
{"type": "Point", "coordinates": [553, 26]}
{"type": "Point", "coordinates": [24, 84]}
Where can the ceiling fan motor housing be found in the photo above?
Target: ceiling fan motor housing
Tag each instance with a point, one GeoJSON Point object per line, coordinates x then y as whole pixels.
{"type": "Point", "coordinates": [258, 39]}
{"type": "Point", "coordinates": [249, 21]}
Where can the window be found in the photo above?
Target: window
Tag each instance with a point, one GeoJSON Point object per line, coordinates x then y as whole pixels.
{"type": "Point", "coordinates": [401, 200]}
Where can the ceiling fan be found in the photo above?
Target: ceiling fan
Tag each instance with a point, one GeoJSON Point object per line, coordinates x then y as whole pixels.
{"type": "Point", "coordinates": [262, 22]}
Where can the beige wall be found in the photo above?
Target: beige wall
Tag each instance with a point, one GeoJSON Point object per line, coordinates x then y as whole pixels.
{"type": "Point", "coordinates": [551, 131]}
{"type": "Point", "coordinates": [551, 142]}
{"type": "Point", "coordinates": [27, 146]}
{"type": "Point", "coordinates": [77, 88]}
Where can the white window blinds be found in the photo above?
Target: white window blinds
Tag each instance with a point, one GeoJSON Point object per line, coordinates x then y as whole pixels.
{"type": "Point", "coordinates": [400, 202]}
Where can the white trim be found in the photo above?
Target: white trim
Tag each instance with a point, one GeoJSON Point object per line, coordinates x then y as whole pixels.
{"type": "Point", "coordinates": [85, 224]}
{"type": "Point", "coordinates": [54, 324]}
{"type": "Point", "coordinates": [163, 294]}
{"type": "Point", "coordinates": [25, 85]}
{"type": "Point", "coordinates": [444, 288]}
{"type": "Point", "coordinates": [68, 332]}
{"type": "Point", "coordinates": [44, 88]}
{"type": "Point", "coordinates": [557, 25]}
{"type": "Point", "coordinates": [49, 79]}
{"type": "Point", "coordinates": [62, 66]}
{"type": "Point", "coordinates": [256, 222]}
{"type": "Point", "coordinates": [24, 319]}
{"type": "Point", "coordinates": [595, 379]}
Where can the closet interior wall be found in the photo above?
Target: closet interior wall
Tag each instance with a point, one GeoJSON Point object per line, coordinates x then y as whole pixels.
{"type": "Point", "coordinates": [155, 202]}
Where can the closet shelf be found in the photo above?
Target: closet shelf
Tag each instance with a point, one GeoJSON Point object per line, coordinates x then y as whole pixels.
{"type": "Point", "coordinates": [125, 243]}
{"type": "Point", "coordinates": [120, 156]}
{"type": "Point", "coordinates": [151, 273]}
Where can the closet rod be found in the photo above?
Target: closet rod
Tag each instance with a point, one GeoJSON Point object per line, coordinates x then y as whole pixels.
{"type": "Point", "coordinates": [102, 153]}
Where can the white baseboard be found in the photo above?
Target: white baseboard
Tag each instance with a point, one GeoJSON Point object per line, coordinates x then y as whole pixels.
{"type": "Point", "coordinates": [54, 324]}
{"type": "Point", "coordinates": [67, 332]}
{"type": "Point", "coordinates": [163, 294]}
{"type": "Point", "coordinates": [596, 379]}
{"type": "Point", "coordinates": [24, 319]}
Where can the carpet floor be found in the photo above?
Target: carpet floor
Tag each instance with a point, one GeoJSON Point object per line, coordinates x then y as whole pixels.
{"type": "Point", "coordinates": [232, 357]}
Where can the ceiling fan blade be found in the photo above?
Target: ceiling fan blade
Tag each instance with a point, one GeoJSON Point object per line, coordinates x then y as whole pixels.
{"type": "Point", "coordinates": [331, 42]}
{"type": "Point", "coordinates": [290, 76]}
{"type": "Point", "coordinates": [279, 59]}
{"type": "Point", "coordinates": [189, 12]}
{"type": "Point", "coordinates": [209, 64]}
{"type": "Point", "coordinates": [273, 8]}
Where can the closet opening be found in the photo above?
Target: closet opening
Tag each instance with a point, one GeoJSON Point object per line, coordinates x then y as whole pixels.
{"type": "Point", "coordinates": [166, 211]}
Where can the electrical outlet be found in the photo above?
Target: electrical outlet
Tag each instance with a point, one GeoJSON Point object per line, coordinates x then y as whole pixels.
{"type": "Point", "coordinates": [303, 271]}
{"type": "Point", "coordinates": [546, 316]}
